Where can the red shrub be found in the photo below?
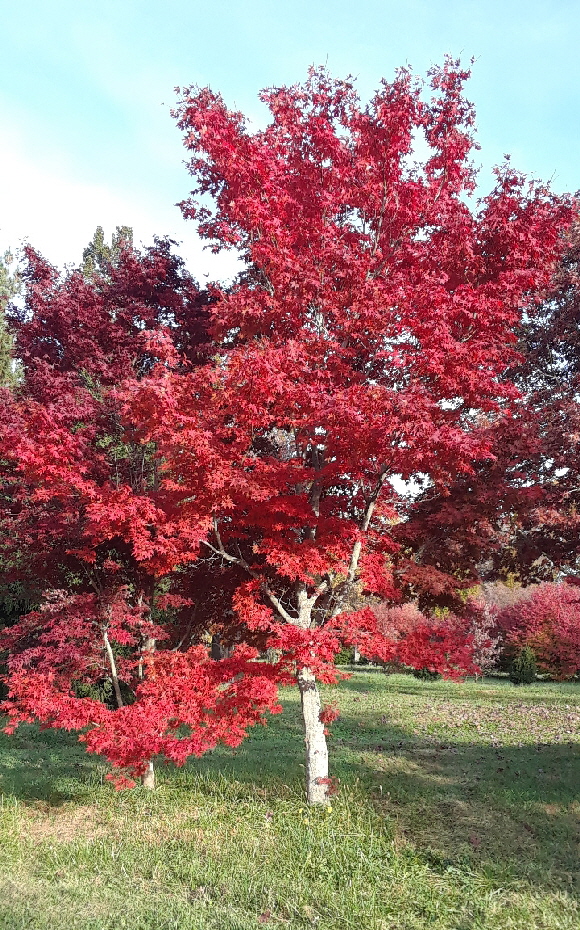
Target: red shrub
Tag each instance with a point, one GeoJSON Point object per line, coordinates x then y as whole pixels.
{"type": "Point", "coordinates": [549, 623]}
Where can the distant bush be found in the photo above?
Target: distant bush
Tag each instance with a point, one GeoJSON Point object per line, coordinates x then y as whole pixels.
{"type": "Point", "coordinates": [481, 619]}
{"type": "Point", "coordinates": [432, 645]}
{"type": "Point", "coordinates": [548, 622]}
{"type": "Point", "coordinates": [396, 621]}
{"type": "Point", "coordinates": [501, 595]}
{"type": "Point", "coordinates": [478, 622]}
{"type": "Point", "coordinates": [345, 656]}
{"type": "Point", "coordinates": [425, 674]}
{"type": "Point", "coordinates": [523, 670]}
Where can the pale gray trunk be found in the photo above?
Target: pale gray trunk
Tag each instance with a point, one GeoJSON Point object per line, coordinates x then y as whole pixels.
{"type": "Point", "coordinates": [356, 655]}
{"type": "Point", "coordinates": [113, 667]}
{"type": "Point", "coordinates": [346, 587]}
{"type": "Point", "coordinates": [148, 646]}
{"type": "Point", "coordinates": [148, 778]}
{"type": "Point", "coordinates": [315, 739]}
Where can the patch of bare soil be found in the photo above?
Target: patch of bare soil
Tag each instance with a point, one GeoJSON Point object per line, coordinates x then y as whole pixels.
{"type": "Point", "coordinates": [62, 824]}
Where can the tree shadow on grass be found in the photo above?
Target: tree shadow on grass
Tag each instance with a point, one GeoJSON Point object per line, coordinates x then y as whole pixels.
{"type": "Point", "coordinates": [492, 803]}
{"type": "Point", "coordinates": [506, 811]}
{"type": "Point", "coordinates": [510, 811]}
{"type": "Point", "coordinates": [47, 766]}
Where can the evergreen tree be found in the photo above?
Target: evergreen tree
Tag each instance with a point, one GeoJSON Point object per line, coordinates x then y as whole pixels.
{"type": "Point", "coordinates": [523, 670]}
{"type": "Point", "coordinates": [99, 257]}
{"type": "Point", "coordinates": [10, 283]}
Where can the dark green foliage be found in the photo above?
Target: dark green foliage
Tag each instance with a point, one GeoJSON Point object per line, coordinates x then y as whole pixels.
{"type": "Point", "coordinates": [345, 656]}
{"type": "Point", "coordinates": [5, 353]}
{"type": "Point", "coordinates": [10, 283]}
{"type": "Point", "coordinates": [425, 674]}
{"type": "Point", "coordinates": [98, 256]}
{"type": "Point", "coordinates": [523, 670]}
{"type": "Point", "coordinates": [102, 691]}
{"type": "Point", "coordinates": [13, 604]}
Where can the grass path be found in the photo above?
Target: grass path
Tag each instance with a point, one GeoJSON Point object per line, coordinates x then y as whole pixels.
{"type": "Point", "coordinates": [458, 809]}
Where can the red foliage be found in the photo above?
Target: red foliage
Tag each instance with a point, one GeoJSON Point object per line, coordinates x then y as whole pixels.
{"type": "Point", "coordinates": [548, 621]}
{"type": "Point", "coordinates": [65, 637]}
{"type": "Point", "coordinates": [331, 783]}
{"type": "Point", "coordinates": [445, 646]}
{"type": "Point", "coordinates": [329, 713]}
{"type": "Point", "coordinates": [398, 620]}
{"type": "Point", "coordinates": [83, 485]}
{"type": "Point", "coordinates": [441, 646]}
{"type": "Point", "coordinates": [181, 703]}
{"type": "Point", "coordinates": [91, 500]}
{"type": "Point", "coordinates": [517, 513]}
{"type": "Point", "coordinates": [368, 337]}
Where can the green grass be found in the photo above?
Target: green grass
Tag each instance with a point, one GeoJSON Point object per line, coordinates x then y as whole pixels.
{"type": "Point", "coordinates": [458, 809]}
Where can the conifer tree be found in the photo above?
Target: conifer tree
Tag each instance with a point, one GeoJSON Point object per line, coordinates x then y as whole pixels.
{"type": "Point", "coordinates": [10, 283]}
{"type": "Point", "coordinates": [98, 256]}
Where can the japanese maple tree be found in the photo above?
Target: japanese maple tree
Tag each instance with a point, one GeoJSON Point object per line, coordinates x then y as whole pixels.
{"type": "Point", "coordinates": [168, 703]}
{"type": "Point", "coordinates": [86, 513]}
{"type": "Point", "coordinates": [368, 337]}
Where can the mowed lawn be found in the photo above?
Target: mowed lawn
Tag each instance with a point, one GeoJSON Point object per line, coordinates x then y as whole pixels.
{"type": "Point", "coordinates": [458, 809]}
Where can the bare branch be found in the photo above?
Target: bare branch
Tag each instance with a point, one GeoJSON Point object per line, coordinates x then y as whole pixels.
{"type": "Point", "coordinates": [238, 560]}
{"type": "Point", "coordinates": [276, 603]}
{"type": "Point", "coordinates": [357, 547]}
{"type": "Point", "coordinates": [224, 554]}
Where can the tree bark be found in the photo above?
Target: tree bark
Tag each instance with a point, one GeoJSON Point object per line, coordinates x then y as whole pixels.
{"type": "Point", "coordinates": [217, 650]}
{"type": "Point", "coordinates": [113, 666]}
{"type": "Point", "coordinates": [314, 738]}
{"type": "Point", "coordinates": [148, 778]}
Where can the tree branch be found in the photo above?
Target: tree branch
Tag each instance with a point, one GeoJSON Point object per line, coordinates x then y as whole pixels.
{"type": "Point", "coordinates": [357, 548]}
{"type": "Point", "coordinates": [238, 560]}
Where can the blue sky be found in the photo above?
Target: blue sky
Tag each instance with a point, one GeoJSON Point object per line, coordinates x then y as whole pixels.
{"type": "Point", "coordinates": [86, 89]}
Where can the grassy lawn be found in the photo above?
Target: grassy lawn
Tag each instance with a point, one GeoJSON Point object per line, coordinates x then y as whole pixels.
{"type": "Point", "coordinates": [458, 809]}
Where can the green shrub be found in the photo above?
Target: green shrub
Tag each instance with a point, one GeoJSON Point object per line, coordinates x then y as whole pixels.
{"type": "Point", "coordinates": [345, 656]}
{"type": "Point", "coordinates": [425, 674]}
{"type": "Point", "coordinates": [523, 669]}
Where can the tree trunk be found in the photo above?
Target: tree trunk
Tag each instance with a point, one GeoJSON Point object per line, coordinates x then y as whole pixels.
{"type": "Point", "coordinates": [113, 665]}
{"type": "Point", "coordinates": [356, 655]}
{"type": "Point", "coordinates": [316, 748]}
{"type": "Point", "coordinates": [148, 779]}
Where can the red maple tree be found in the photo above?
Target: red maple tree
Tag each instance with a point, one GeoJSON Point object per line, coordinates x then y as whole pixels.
{"type": "Point", "coordinates": [369, 337]}
{"type": "Point", "coordinates": [87, 513]}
